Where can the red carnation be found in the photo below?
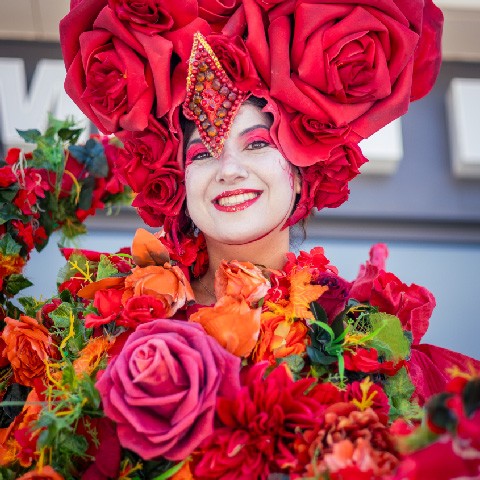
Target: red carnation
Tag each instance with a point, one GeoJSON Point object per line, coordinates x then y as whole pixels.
{"type": "Point", "coordinates": [260, 424]}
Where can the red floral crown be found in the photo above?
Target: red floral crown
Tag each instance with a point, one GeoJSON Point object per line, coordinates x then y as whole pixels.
{"type": "Point", "coordinates": [332, 72]}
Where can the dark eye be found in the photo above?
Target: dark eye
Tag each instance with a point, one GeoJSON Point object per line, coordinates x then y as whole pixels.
{"type": "Point", "coordinates": [257, 145]}
{"type": "Point", "coordinates": [202, 155]}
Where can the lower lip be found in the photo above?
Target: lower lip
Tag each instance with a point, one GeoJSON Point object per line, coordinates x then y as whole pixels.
{"type": "Point", "coordinates": [236, 208]}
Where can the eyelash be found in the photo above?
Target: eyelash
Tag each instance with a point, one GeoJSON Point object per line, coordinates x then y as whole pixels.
{"type": "Point", "coordinates": [259, 145]}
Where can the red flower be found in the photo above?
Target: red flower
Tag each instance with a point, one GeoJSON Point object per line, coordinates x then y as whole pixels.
{"type": "Point", "coordinates": [235, 60]}
{"type": "Point", "coordinates": [412, 304]}
{"type": "Point", "coordinates": [259, 425]}
{"type": "Point", "coordinates": [164, 193]}
{"type": "Point", "coordinates": [341, 63]}
{"type": "Point", "coordinates": [144, 153]}
{"type": "Point", "coordinates": [141, 309]}
{"type": "Point", "coordinates": [7, 177]}
{"type": "Point", "coordinates": [366, 361]}
{"type": "Point", "coordinates": [217, 12]}
{"type": "Point", "coordinates": [368, 393]}
{"type": "Point", "coordinates": [109, 305]}
{"type": "Point", "coordinates": [315, 259]}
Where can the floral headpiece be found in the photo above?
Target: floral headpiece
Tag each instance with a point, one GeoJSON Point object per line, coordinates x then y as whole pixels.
{"type": "Point", "coordinates": [331, 72]}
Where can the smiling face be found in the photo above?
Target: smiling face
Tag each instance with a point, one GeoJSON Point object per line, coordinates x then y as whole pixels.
{"type": "Point", "coordinates": [249, 191]}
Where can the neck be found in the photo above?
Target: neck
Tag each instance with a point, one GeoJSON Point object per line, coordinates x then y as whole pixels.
{"type": "Point", "coordinates": [268, 251]}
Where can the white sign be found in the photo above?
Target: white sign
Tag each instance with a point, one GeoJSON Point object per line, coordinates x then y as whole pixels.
{"type": "Point", "coordinates": [24, 108]}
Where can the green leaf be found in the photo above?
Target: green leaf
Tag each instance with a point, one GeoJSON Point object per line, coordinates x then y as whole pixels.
{"type": "Point", "coordinates": [7, 195]}
{"type": "Point", "coordinates": [390, 341]}
{"type": "Point", "coordinates": [31, 305]}
{"type": "Point", "coordinates": [105, 268]}
{"type": "Point", "coordinates": [399, 390]}
{"type": "Point", "coordinates": [170, 472]}
{"type": "Point", "coordinates": [70, 134]}
{"type": "Point", "coordinates": [86, 195]}
{"type": "Point", "coordinates": [8, 246]}
{"type": "Point", "coordinates": [30, 136]}
{"type": "Point", "coordinates": [318, 312]}
{"type": "Point", "coordinates": [61, 315]}
{"type": "Point", "coordinates": [16, 282]}
{"type": "Point", "coordinates": [295, 363]}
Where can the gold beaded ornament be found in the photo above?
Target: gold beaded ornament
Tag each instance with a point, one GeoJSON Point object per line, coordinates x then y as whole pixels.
{"type": "Point", "coordinates": [212, 100]}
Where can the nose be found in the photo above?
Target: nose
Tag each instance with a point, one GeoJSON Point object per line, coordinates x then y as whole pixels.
{"type": "Point", "coordinates": [230, 168]}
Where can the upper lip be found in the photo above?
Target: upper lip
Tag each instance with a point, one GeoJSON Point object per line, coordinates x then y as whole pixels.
{"type": "Point", "coordinates": [231, 193]}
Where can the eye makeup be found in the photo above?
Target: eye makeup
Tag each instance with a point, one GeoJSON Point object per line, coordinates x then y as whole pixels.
{"type": "Point", "coordinates": [193, 151]}
{"type": "Point", "coordinates": [259, 134]}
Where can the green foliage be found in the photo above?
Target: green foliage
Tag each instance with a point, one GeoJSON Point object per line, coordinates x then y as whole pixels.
{"type": "Point", "coordinates": [8, 246]}
{"type": "Point", "coordinates": [399, 390]}
{"type": "Point", "coordinates": [390, 342]}
{"type": "Point", "coordinates": [31, 305]}
{"type": "Point", "coordinates": [16, 282]}
{"type": "Point", "coordinates": [105, 268]}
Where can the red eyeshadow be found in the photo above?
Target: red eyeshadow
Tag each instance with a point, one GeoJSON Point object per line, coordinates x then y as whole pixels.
{"type": "Point", "coordinates": [193, 151]}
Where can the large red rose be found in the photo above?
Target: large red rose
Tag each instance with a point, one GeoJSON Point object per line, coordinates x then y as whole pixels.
{"type": "Point", "coordinates": [114, 71]}
{"type": "Point", "coordinates": [217, 12]}
{"type": "Point", "coordinates": [342, 62]}
{"type": "Point", "coordinates": [162, 388]}
{"type": "Point", "coordinates": [143, 153]}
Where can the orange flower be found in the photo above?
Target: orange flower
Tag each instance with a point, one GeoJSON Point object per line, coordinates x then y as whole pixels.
{"type": "Point", "coordinates": [302, 293]}
{"type": "Point", "coordinates": [184, 473]}
{"type": "Point", "coordinates": [148, 250]}
{"type": "Point", "coordinates": [241, 278]}
{"type": "Point", "coordinates": [88, 291]}
{"type": "Point", "coordinates": [10, 264]}
{"type": "Point", "coordinates": [279, 338]}
{"type": "Point", "coordinates": [28, 347]}
{"type": "Point", "coordinates": [45, 473]}
{"type": "Point", "coordinates": [10, 450]}
{"type": "Point", "coordinates": [232, 323]}
{"type": "Point", "coordinates": [91, 355]}
{"type": "Point", "coordinates": [167, 283]}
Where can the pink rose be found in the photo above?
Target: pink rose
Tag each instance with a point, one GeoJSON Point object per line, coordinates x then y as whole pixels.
{"type": "Point", "coordinates": [143, 153]}
{"type": "Point", "coordinates": [162, 388]}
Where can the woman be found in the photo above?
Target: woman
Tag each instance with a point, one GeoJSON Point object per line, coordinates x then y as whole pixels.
{"type": "Point", "coordinates": [237, 119]}
{"type": "Point", "coordinates": [242, 200]}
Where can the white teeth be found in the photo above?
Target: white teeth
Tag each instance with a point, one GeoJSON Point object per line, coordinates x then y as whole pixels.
{"type": "Point", "coordinates": [236, 199]}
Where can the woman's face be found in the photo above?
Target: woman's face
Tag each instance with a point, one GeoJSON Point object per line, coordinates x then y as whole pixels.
{"type": "Point", "coordinates": [249, 191]}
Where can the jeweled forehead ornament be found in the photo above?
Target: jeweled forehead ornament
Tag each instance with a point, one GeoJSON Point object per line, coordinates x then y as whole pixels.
{"type": "Point", "coordinates": [212, 100]}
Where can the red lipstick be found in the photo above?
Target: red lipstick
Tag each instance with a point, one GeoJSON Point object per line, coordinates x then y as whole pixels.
{"type": "Point", "coordinates": [236, 200]}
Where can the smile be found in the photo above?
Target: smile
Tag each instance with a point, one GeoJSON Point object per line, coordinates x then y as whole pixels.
{"type": "Point", "coordinates": [236, 200]}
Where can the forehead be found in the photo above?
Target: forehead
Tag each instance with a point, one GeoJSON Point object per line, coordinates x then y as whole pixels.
{"type": "Point", "coordinates": [247, 116]}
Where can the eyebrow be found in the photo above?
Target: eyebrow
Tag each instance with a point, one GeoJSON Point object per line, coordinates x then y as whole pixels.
{"type": "Point", "coordinates": [243, 132]}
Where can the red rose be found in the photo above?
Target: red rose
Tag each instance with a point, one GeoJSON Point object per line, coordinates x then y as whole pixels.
{"type": "Point", "coordinates": [153, 17]}
{"type": "Point", "coordinates": [304, 140]}
{"type": "Point", "coordinates": [144, 153]}
{"type": "Point", "coordinates": [341, 63]}
{"type": "Point", "coordinates": [235, 60]}
{"type": "Point", "coordinates": [109, 305]}
{"type": "Point", "coordinates": [428, 54]}
{"type": "Point", "coordinates": [141, 309]}
{"type": "Point", "coordinates": [164, 192]}
{"type": "Point", "coordinates": [325, 184]}
{"type": "Point", "coordinates": [112, 74]}
{"type": "Point", "coordinates": [217, 11]}
{"type": "Point", "coordinates": [162, 388]}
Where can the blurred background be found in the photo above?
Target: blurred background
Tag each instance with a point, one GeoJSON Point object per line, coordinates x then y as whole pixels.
{"type": "Point", "coordinates": [419, 194]}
